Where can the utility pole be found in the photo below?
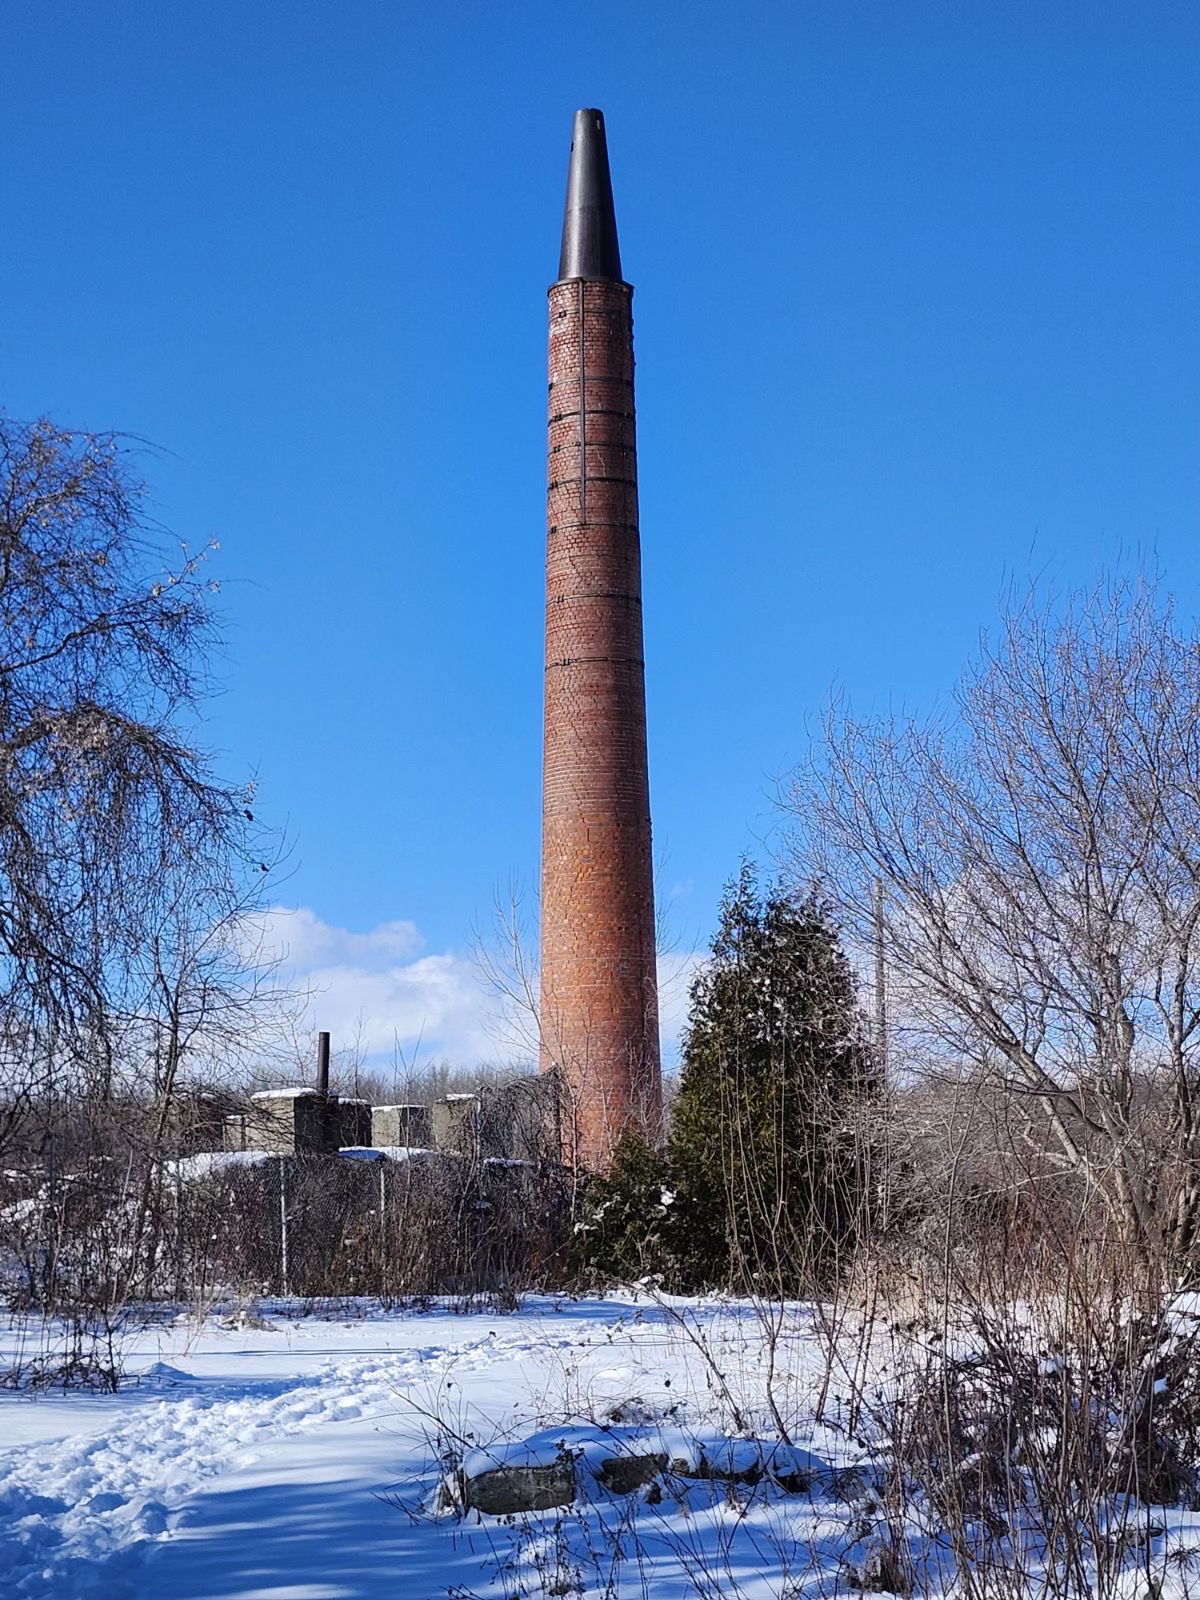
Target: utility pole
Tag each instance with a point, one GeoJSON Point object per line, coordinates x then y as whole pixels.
{"type": "Point", "coordinates": [881, 1020]}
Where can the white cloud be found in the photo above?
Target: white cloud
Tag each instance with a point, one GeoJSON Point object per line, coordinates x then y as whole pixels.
{"type": "Point", "coordinates": [380, 990]}
{"type": "Point", "coordinates": [297, 938]}
{"type": "Point", "coordinates": [434, 1005]}
{"type": "Point", "coordinates": [377, 989]}
{"type": "Point", "coordinates": [676, 969]}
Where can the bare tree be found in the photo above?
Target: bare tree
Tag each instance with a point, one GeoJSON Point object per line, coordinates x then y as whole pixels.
{"type": "Point", "coordinates": [106, 806]}
{"type": "Point", "coordinates": [127, 868]}
{"type": "Point", "coordinates": [1038, 852]}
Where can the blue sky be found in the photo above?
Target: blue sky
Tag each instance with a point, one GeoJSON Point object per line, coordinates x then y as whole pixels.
{"type": "Point", "coordinates": [916, 314]}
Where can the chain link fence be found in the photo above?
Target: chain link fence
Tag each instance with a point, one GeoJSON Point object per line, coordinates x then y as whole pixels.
{"type": "Point", "coordinates": [327, 1226]}
{"type": "Point", "coordinates": [100, 1213]}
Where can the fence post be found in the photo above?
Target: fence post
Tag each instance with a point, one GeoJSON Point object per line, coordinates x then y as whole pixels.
{"type": "Point", "coordinates": [179, 1232]}
{"type": "Point", "coordinates": [383, 1278]}
{"type": "Point", "coordinates": [283, 1226]}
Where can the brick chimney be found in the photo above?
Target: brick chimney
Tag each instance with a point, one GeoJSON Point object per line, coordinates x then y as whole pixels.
{"type": "Point", "coordinates": [599, 998]}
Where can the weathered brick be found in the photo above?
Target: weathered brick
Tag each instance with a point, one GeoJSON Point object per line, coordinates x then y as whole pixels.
{"type": "Point", "coordinates": [599, 1001]}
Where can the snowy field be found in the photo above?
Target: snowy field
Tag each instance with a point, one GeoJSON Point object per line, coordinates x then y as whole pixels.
{"type": "Point", "coordinates": [307, 1459]}
{"type": "Point", "coordinates": [301, 1461]}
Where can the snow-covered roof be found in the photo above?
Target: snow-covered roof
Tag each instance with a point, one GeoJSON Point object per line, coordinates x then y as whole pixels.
{"type": "Point", "coordinates": [462, 1097]}
{"type": "Point", "coordinates": [208, 1162]}
{"type": "Point", "coordinates": [384, 1152]}
{"type": "Point", "coordinates": [287, 1094]}
{"type": "Point", "coordinates": [411, 1107]}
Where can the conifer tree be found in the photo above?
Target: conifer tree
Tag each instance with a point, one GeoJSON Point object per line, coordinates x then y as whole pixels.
{"type": "Point", "coordinates": [619, 1237]}
{"type": "Point", "coordinates": [765, 1153]}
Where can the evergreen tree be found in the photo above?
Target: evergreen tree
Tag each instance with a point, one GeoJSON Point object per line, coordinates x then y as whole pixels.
{"type": "Point", "coordinates": [619, 1235]}
{"type": "Point", "coordinates": [765, 1153]}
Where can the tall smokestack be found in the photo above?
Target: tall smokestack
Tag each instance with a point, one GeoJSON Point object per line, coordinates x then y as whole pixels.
{"type": "Point", "coordinates": [599, 1001]}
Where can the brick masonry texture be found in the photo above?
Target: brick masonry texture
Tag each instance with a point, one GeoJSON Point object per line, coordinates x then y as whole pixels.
{"type": "Point", "coordinates": [599, 1001]}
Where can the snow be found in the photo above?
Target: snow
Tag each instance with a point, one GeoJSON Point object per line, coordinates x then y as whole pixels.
{"type": "Point", "coordinates": [384, 1152]}
{"type": "Point", "coordinates": [210, 1162]}
{"type": "Point", "coordinates": [277, 1455]}
{"type": "Point", "coordinates": [288, 1094]}
{"type": "Point", "coordinates": [699, 1451]}
{"type": "Point", "coordinates": [119, 1487]}
{"type": "Point", "coordinates": [250, 1462]}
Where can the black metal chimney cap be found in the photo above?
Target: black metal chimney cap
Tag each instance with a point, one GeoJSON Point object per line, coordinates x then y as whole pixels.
{"type": "Point", "coordinates": [589, 238]}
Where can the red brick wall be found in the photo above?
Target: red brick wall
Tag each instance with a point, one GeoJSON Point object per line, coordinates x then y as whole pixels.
{"type": "Point", "coordinates": [599, 1007]}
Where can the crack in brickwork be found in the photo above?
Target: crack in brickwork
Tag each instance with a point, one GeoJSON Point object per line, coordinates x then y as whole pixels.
{"type": "Point", "coordinates": [599, 999]}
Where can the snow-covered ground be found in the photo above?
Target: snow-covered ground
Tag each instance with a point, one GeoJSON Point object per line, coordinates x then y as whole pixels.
{"type": "Point", "coordinates": [304, 1459]}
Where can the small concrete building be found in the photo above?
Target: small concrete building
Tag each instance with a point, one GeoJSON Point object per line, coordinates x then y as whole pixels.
{"type": "Point", "coordinates": [516, 1120]}
{"type": "Point", "coordinates": [456, 1125]}
{"type": "Point", "coordinates": [193, 1121]}
{"type": "Point", "coordinates": [238, 1131]}
{"type": "Point", "coordinates": [351, 1121]}
{"type": "Point", "coordinates": [402, 1126]}
{"type": "Point", "coordinates": [288, 1122]}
